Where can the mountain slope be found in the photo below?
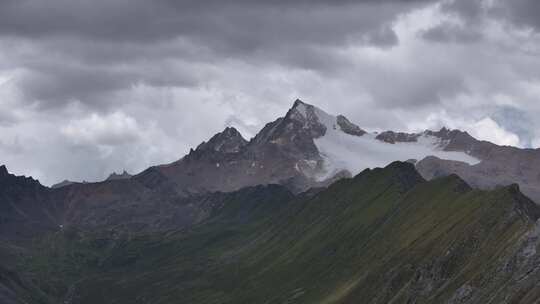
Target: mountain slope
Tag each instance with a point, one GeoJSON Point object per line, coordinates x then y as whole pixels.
{"type": "Point", "coordinates": [384, 236]}
{"type": "Point", "coordinates": [26, 207]}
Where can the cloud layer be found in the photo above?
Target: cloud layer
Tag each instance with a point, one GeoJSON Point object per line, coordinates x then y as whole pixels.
{"type": "Point", "coordinates": [90, 87]}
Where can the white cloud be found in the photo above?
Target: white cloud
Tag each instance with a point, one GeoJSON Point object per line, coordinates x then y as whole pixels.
{"type": "Point", "coordinates": [490, 130]}
{"type": "Point", "coordinates": [484, 128]}
{"type": "Point", "coordinates": [108, 130]}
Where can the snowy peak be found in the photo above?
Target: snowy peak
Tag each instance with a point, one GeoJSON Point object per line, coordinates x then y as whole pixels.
{"type": "Point", "coordinates": [228, 141]}
{"type": "Point", "coordinates": [305, 147]}
{"type": "Point", "coordinates": [302, 124]}
{"type": "Point", "coordinates": [319, 121]}
{"type": "Point", "coordinates": [303, 117]}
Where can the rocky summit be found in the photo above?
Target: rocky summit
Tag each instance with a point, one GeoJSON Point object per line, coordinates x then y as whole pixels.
{"type": "Point", "coordinates": [312, 209]}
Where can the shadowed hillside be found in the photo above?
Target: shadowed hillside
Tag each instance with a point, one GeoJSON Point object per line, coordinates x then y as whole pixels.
{"type": "Point", "coordinates": [384, 236]}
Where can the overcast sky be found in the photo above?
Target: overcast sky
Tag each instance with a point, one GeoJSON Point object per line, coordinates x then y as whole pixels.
{"type": "Point", "coordinates": [88, 87]}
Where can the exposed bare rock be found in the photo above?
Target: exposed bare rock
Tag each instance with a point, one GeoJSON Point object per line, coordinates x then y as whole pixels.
{"type": "Point", "coordinates": [115, 176]}
{"type": "Point", "coordinates": [348, 127]}
{"type": "Point", "coordinates": [228, 141]}
{"type": "Point", "coordinates": [392, 137]}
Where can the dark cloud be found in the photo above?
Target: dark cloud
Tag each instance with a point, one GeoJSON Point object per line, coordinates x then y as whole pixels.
{"type": "Point", "coordinates": [56, 82]}
{"type": "Point", "coordinates": [448, 32]}
{"type": "Point", "coordinates": [466, 29]}
{"type": "Point", "coordinates": [416, 87]}
{"type": "Point", "coordinates": [96, 48]}
{"type": "Point", "coordinates": [469, 10]}
{"type": "Point", "coordinates": [384, 36]}
{"type": "Point", "coordinates": [140, 20]}
{"type": "Point", "coordinates": [520, 13]}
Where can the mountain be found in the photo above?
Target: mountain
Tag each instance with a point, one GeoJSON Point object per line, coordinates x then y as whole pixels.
{"type": "Point", "coordinates": [283, 152]}
{"type": "Point", "coordinates": [306, 148]}
{"type": "Point", "coordinates": [112, 176]}
{"type": "Point", "coordinates": [384, 236]}
{"type": "Point", "coordinates": [311, 148]}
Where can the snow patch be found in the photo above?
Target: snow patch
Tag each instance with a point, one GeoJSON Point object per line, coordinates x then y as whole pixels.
{"type": "Point", "coordinates": [301, 108]}
{"type": "Point", "coordinates": [342, 151]}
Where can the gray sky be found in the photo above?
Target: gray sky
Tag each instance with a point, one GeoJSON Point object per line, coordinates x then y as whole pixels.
{"type": "Point", "coordinates": [91, 87]}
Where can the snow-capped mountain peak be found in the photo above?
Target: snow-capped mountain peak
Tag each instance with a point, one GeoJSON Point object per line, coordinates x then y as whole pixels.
{"type": "Point", "coordinates": [345, 146]}
{"type": "Point", "coordinates": [338, 144]}
{"type": "Point", "coordinates": [315, 118]}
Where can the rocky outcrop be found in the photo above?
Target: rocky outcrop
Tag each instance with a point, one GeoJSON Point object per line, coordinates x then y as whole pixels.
{"type": "Point", "coordinates": [348, 127]}
{"type": "Point", "coordinates": [228, 141]}
{"type": "Point", "coordinates": [394, 137]}
{"type": "Point", "coordinates": [115, 176]}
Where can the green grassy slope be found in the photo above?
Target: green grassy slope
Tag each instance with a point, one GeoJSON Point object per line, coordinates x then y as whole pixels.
{"type": "Point", "coordinates": [385, 236]}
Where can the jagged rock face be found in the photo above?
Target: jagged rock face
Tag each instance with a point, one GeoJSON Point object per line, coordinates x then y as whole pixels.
{"type": "Point", "coordinates": [26, 207]}
{"type": "Point", "coordinates": [456, 140]}
{"type": "Point", "coordinates": [348, 127]}
{"type": "Point", "coordinates": [228, 141]}
{"type": "Point", "coordinates": [294, 133]}
{"type": "Point", "coordinates": [449, 140]}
